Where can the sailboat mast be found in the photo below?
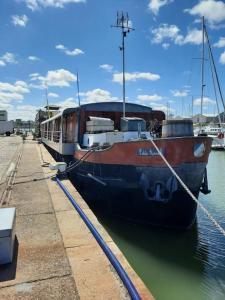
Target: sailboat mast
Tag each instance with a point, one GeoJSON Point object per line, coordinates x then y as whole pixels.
{"type": "Point", "coordinates": [214, 85]}
{"type": "Point", "coordinates": [202, 68]}
{"type": "Point", "coordinates": [123, 23]}
{"type": "Point", "coordinates": [79, 108]}
{"type": "Point", "coordinates": [78, 90]}
{"type": "Point", "coordinates": [214, 67]}
{"type": "Point", "coordinates": [124, 87]}
{"type": "Point", "coordinates": [46, 95]}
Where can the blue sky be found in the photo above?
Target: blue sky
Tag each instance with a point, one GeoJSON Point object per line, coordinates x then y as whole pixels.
{"type": "Point", "coordinates": [45, 42]}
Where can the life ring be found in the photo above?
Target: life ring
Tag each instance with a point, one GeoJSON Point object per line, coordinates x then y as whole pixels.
{"type": "Point", "coordinates": [220, 135]}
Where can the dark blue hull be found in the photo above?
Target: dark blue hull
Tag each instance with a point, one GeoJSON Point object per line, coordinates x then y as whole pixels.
{"type": "Point", "coordinates": [124, 191]}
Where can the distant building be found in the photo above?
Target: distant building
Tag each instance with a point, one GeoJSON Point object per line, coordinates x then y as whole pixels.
{"type": "Point", "coordinates": [3, 115]}
{"type": "Point", "coordinates": [23, 125]}
{"type": "Point", "coordinates": [222, 117]}
{"type": "Point", "coordinates": [204, 119]}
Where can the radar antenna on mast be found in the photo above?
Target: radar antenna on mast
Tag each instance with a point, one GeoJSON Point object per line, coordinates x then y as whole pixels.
{"type": "Point", "coordinates": [124, 23]}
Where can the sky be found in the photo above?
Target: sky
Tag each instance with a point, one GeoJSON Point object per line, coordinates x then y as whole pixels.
{"type": "Point", "coordinates": [44, 43]}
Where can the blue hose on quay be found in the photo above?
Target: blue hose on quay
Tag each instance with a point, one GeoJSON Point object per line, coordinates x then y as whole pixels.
{"type": "Point", "coordinates": [116, 264]}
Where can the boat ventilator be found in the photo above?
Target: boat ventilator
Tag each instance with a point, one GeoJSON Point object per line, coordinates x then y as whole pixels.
{"type": "Point", "coordinates": [207, 213]}
{"type": "Point", "coordinates": [112, 258]}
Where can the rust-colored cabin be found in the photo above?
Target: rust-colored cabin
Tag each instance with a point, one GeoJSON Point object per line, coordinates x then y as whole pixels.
{"type": "Point", "coordinates": [69, 126]}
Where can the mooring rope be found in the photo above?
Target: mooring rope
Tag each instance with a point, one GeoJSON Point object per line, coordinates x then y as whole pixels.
{"type": "Point", "coordinates": [82, 159]}
{"type": "Point", "coordinates": [218, 226]}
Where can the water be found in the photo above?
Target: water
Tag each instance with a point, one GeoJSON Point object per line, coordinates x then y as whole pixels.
{"type": "Point", "coordinates": [180, 265]}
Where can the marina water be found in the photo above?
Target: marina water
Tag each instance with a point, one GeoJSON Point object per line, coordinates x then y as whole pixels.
{"type": "Point", "coordinates": [180, 265]}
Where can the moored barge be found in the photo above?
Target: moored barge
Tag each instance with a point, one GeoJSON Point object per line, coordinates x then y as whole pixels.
{"type": "Point", "coordinates": [113, 159]}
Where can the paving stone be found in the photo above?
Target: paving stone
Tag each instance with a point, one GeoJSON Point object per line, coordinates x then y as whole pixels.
{"type": "Point", "coordinates": [54, 288]}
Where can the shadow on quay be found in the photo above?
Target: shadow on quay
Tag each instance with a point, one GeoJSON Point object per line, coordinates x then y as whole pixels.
{"type": "Point", "coordinates": [8, 271]}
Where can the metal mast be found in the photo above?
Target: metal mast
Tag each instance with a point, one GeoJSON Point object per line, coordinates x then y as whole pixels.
{"type": "Point", "coordinates": [78, 90]}
{"type": "Point", "coordinates": [214, 67]}
{"type": "Point", "coordinates": [202, 78]}
{"type": "Point", "coordinates": [78, 98]}
{"type": "Point", "coordinates": [123, 23]}
{"type": "Point", "coordinates": [46, 95]}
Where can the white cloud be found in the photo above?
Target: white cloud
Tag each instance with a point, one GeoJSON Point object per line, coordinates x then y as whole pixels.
{"type": "Point", "coordinates": [32, 4]}
{"type": "Point", "coordinates": [74, 52]}
{"type": "Point", "coordinates": [5, 105]}
{"type": "Point", "coordinates": [60, 47]}
{"type": "Point", "coordinates": [18, 87]}
{"type": "Point", "coordinates": [69, 102]}
{"type": "Point", "coordinates": [65, 50]}
{"type": "Point", "coordinates": [97, 95]}
{"type": "Point", "coordinates": [2, 63]}
{"type": "Point", "coordinates": [220, 43]}
{"type": "Point", "coordinates": [155, 5]}
{"type": "Point", "coordinates": [165, 31]}
{"type": "Point", "coordinates": [34, 76]}
{"type": "Point", "coordinates": [8, 97]}
{"type": "Point", "coordinates": [37, 4]}
{"type": "Point", "coordinates": [154, 97]}
{"type": "Point", "coordinates": [106, 67]}
{"type": "Point", "coordinates": [206, 101]}
{"type": "Point", "coordinates": [159, 106]}
{"type": "Point", "coordinates": [12, 92]}
{"type": "Point", "coordinates": [193, 36]}
{"type": "Point", "coordinates": [177, 93]}
{"type": "Point", "coordinates": [171, 33]}
{"type": "Point", "coordinates": [212, 10]}
{"type": "Point", "coordinates": [20, 20]}
{"type": "Point", "coordinates": [33, 58]}
{"type": "Point", "coordinates": [165, 45]}
{"type": "Point", "coordinates": [222, 58]}
{"type": "Point", "coordinates": [118, 77]}
{"type": "Point", "coordinates": [24, 112]}
{"type": "Point", "coordinates": [8, 58]}
{"type": "Point", "coordinates": [59, 78]}
{"type": "Point", "coordinates": [53, 95]}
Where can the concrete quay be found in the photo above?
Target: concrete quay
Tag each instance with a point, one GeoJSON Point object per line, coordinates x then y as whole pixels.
{"type": "Point", "coordinates": [56, 256]}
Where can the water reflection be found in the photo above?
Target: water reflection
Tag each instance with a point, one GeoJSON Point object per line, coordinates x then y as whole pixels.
{"type": "Point", "coordinates": [179, 264]}
{"type": "Point", "coordinates": [167, 261]}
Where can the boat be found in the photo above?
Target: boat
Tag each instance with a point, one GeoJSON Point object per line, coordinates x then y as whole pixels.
{"type": "Point", "coordinates": [217, 134]}
{"type": "Point", "coordinates": [114, 160]}
{"type": "Point", "coordinates": [114, 155]}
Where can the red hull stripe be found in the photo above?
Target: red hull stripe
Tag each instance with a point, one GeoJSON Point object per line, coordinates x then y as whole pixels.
{"type": "Point", "coordinates": [143, 153]}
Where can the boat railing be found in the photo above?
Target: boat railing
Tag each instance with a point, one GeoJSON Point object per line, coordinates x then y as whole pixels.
{"type": "Point", "coordinates": [44, 134]}
{"type": "Point", "coordinates": [56, 136]}
{"type": "Point", "coordinates": [52, 135]}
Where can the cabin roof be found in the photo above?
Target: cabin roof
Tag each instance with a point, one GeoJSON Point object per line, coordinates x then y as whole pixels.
{"type": "Point", "coordinates": [109, 106]}
{"type": "Point", "coordinates": [103, 106]}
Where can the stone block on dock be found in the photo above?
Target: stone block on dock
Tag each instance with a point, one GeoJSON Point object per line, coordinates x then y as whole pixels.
{"type": "Point", "coordinates": [7, 234]}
